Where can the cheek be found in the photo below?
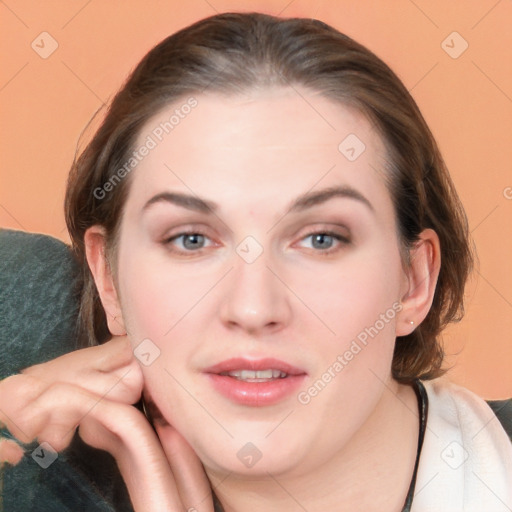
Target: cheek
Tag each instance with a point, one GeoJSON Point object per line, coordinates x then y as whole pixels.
{"type": "Point", "coordinates": [168, 306]}
{"type": "Point", "coordinates": [156, 297]}
{"type": "Point", "coordinates": [163, 305]}
{"type": "Point", "coordinates": [346, 299]}
{"type": "Point", "coordinates": [358, 305]}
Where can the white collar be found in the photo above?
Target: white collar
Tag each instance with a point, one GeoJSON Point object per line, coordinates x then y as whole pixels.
{"type": "Point", "coordinates": [466, 459]}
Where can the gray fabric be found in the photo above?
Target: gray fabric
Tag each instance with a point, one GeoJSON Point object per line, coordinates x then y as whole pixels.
{"type": "Point", "coordinates": [38, 300]}
{"type": "Point", "coordinates": [38, 309]}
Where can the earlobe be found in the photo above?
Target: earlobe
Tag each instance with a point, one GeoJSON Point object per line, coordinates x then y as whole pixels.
{"type": "Point", "coordinates": [420, 283]}
{"type": "Point", "coordinates": [94, 240]}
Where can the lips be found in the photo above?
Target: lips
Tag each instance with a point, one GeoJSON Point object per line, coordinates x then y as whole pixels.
{"type": "Point", "coordinates": [255, 382]}
{"type": "Point", "coordinates": [240, 363]}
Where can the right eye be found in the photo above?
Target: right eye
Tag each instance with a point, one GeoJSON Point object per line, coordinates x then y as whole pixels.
{"type": "Point", "coordinates": [187, 242]}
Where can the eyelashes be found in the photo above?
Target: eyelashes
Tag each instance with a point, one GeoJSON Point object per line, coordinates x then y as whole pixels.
{"type": "Point", "coordinates": [195, 242]}
{"type": "Point", "coordinates": [191, 238]}
{"type": "Point", "coordinates": [319, 237]}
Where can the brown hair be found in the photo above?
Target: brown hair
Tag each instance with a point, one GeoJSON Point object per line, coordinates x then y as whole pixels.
{"type": "Point", "coordinates": [234, 52]}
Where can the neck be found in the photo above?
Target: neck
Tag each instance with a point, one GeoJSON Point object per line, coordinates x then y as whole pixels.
{"type": "Point", "coordinates": [371, 473]}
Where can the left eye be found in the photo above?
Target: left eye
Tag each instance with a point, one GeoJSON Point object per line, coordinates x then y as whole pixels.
{"type": "Point", "coordinates": [324, 241]}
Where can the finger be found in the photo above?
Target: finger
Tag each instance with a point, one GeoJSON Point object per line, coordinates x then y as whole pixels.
{"type": "Point", "coordinates": [10, 452]}
{"type": "Point", "coordinates": [191, 480]}
{"type": "Point", "coordinates": [124, 384]}
{"type": "Point", "coordinates": [54, 415]}
{"type": "Point", "coordinates": [16, 393]}
{"type": "Point", "coordinates": [127, 434]}
{"type": "Point", "coordinates": [31, 407]}
{"type": "Point", "coordinates": [113, 354]}
{"type": "Point", "coordinates": [106, 357]}
{"type": "Point", "coordinates": [106, 369]}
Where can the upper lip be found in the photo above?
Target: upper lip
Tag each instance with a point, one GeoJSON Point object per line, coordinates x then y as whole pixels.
{"type": "Point", "coordinates": [242, 363]}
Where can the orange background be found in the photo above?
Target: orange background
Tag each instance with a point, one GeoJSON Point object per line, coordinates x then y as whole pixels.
{"type": "Point", "coordinates": [467, 101]}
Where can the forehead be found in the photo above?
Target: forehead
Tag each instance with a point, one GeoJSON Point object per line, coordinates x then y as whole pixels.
{"type": "Point", "coordinates": [261, 144]}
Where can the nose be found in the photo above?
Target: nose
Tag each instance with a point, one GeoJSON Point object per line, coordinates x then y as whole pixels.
{"type": "Point", "coordinates": [255, 300]}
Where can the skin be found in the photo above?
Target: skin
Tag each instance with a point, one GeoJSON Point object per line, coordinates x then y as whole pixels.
{"type": "Point", "coordinates": [200, 306]}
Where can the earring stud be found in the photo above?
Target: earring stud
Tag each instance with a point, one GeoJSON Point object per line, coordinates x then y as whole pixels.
{"type": "Point", "coordinates": [411, 322]}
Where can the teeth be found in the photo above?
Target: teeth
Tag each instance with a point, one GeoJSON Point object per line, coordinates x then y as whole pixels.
{"type": "Point", "coordinates": [256, 375]}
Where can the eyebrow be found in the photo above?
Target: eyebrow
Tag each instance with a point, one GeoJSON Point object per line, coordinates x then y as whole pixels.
{"type": "Point", "coordinates": [311, 199]}
{"type": "Point", "coordinates": [303, 202]}
{"type": "Point", "coordinates": [187, 201]}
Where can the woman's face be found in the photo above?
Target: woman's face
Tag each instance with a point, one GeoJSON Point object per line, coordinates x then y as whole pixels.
{"type": "Point", "coordinates": [275, 266]}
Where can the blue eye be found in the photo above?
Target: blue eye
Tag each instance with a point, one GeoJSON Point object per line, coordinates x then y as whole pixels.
{"type": "Point", "coordinates": [191, 241]}
{"type": "Point", "coordinates": [324, 241]}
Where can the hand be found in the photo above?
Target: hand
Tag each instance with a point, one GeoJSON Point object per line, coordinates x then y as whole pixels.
{"type": "Point", "coordinates": [94, 389]}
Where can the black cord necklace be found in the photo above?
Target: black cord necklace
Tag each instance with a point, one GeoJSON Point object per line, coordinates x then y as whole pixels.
{"type": "Point", "coordinates": [422, 396]}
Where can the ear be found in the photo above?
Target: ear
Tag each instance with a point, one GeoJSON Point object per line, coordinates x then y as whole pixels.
{"type": "Point", "coordinates": [419, 283]}
{"type": "Point", "coordinates": [95, 249]}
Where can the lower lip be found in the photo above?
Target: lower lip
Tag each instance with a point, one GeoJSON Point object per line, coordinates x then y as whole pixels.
{"type": "Point", "coordinates": [257, 394]}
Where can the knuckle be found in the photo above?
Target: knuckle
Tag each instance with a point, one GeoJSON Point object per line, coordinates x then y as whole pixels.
{"type": "Point", "coordinates": [12, 383]}
{"type": "Point", "coordinates": [32, 370]}
{"type": "Point", "coordinates": [57, 438]}
{"type": "Point", "coordinates": [23, 427]}
{"type": "Point", "coordinates": [97, 434]}
{"type": "Point", "coordinates": [125, 352]}
{"type": "Point", "coordinates": [60, 399]}
{"type": "Point", "coordinates": [19, 389]}
{"type": "Point", "coordinates": [61, 389]}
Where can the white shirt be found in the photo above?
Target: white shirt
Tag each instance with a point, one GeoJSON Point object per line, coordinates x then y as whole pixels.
{"type": "Point", "coordinates": [466, 459]}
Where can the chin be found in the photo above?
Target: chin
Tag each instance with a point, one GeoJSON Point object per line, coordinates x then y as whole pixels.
{"type": "Point", "coordinates": [251, 455]}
